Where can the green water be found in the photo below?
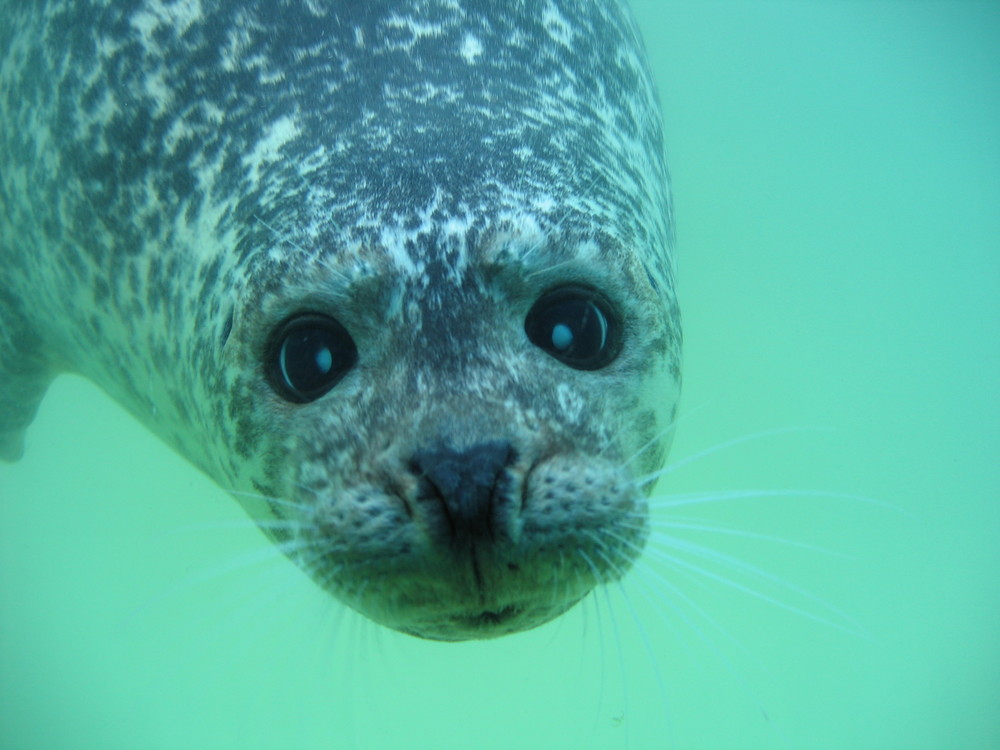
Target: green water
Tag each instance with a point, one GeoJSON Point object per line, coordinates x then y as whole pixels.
{"type": "Point", "coordinates": [837, 177]}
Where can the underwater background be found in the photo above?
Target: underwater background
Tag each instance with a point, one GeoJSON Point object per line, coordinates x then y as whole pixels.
{"type": "Point", "coordinates": [836, 172]}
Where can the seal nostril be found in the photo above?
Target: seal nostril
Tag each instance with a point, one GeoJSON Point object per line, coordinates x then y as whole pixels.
{"type": "Point", "coordinates": [466, 483]}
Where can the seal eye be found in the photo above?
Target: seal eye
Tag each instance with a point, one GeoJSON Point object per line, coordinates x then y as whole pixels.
{"type": "Point", "coordinates": [308, 356]}
{"type": "Point", "coordinates": [576, 326]}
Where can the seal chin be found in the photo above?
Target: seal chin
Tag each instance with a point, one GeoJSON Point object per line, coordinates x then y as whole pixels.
{"type": "Point", "coordinates": [485, 624]}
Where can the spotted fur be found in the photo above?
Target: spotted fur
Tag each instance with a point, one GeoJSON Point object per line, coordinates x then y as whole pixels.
{"type": "Point", "coordinates": [178, 178]}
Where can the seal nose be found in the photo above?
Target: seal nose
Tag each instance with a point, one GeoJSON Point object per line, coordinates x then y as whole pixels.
{"type": "Point", "coordinates": [466, 483]}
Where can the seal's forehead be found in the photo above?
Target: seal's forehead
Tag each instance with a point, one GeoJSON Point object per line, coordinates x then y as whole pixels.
{"type": "Point", "coordinates": [335, 121]}
{"type": "Point", "coordinates": [495, 107]}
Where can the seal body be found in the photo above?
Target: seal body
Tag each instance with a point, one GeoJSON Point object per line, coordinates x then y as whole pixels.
{"type": "Point", "coordinates": [396, 274]}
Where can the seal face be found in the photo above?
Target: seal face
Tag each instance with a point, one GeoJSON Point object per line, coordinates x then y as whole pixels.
{"type": "Point", "coordinates": [396, 274]}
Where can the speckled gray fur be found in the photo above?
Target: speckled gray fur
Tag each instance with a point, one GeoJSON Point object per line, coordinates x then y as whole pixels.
{"type": "Point", "coordinates": [177, 178]}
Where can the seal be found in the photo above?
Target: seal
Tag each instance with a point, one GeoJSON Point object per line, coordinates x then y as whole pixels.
{"type": "Point", "coordinates": [398, 275]}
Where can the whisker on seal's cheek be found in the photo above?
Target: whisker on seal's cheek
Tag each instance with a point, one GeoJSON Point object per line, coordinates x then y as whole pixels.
{"type": "Point", "coordinates": [614, 559]}
{"type": "Point", "coordinates": [271, 559]}
{"type": "Point", "coordinates": [248, 523]}
{"type": "Point", "coordinates": [672, 546]}
{"type": "Point", "coordinates": [675, 500]}
{"type": "Point", "coordinates": [681, 523]}
{"type": "Point", "coordinates": [271, 500]}
{"type": "Point", "coordinates": [726, 445]}
{"type": "Point", "coordinates": [650, 444]}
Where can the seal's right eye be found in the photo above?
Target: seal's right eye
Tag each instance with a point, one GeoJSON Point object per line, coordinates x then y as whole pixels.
{"type": "Point", "coordinates": [307, 356]}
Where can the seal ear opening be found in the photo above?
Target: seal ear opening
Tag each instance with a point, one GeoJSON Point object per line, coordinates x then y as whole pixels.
{"type": "Point", "coordinates": [24, 378]}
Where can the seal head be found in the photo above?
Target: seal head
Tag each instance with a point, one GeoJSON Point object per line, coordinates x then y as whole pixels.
{"type": "Point", "coordinates": [397, 274]}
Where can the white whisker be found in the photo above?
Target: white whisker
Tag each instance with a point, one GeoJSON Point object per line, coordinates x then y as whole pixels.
{"type": "Point", "coordinates": [699, 498]}
{"type": "Point", "coordinates": [660, 435]}
{"type": "Point", "coordinates": [727, 561]}
{"type": "Point", "coordinates": [280, 237]}
{"type": "Point", "coordinates": [725, 530]}
{"type": "Point", "coordinates": [615, 631]}
{"type": "Point", "coordinates": [693, 627]}
{"type": "Point", "coordinates": [266, 553]}
{"type": "Point", "coordinates": [679, 594]}
{"type": "Point", "coordinates": [247, 523]}
{"type": "Point", "coordinates": [653, 476]}
{"type": "Point", "coordinates": [270, 500]}
{"type": "Point", "coordinates": [546, 269]}
{"type": "Point", "coordinates": [647, 645]}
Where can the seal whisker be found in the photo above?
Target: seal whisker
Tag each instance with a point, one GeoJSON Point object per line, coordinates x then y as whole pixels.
{"type": "Point", "coordinates": [556, 229]}
{"type": "Point", "coordinates": [615, 630]}
{"type": "Point", "coordinates": [676, 500]}
{"type": "Point", "coordinates": [548, 269]}
{"type": "Point", "coordinates": [652, 442]}
{"type": "Point", "coordinates": [256, 556]}
{"type": "Point", "coordinates": [279, 236]}
{"type": "Point", "coordinates": [593, 605]}
{"type": "Point", "coordinates": [677, 595]}
{"type": "Point", "coordinates": [671, 610]}
{"type": "Point", "coordinates": [660, 541]}
{"type": "Point", "coordinates": [675, 465]}
{"type": "Point", "coordinates": [559, 581]}
{"type": "Point", "coordinates": [671, 427]}
{"type": "Point", "coordinates": [601, 547]}
{"type": "Point", "coordinates": [329, 572]}
{"type": "Point", "coordinates": [583, 194]}
{"type": "Point", "coordinates": [247, 523]}
{"type": "Point", "coordinates": [624, 541]}
{"type": "Point", "coordinates": [699, 525]}
{"type": "Point", "coordinates": [311, 490]}
{"type": "Point", "coordinates": [271, 500]}
{"type": "Point", "coordinates": [597, 573]}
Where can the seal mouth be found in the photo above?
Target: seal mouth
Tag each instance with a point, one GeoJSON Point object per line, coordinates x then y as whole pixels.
{"type": "Point", "coordinates": [490, 618]}
{"type": "Point", "coordinates": [486, 623]}
{"type": "Point", "coordinates": [478, 625]}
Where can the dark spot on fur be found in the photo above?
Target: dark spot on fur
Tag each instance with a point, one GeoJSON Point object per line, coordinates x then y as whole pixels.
{"type": "Point", "coordinates": [227, 328]}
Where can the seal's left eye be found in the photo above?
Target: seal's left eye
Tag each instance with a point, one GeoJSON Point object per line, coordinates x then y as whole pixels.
{"type": "Point", "coordinates": [308, 355]}
{"type": "Point", "coordinates": [576, 326]}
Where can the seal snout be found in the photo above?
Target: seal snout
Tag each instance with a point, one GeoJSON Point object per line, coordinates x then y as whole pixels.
{"type": "Point", "coordinates": [463, 492]}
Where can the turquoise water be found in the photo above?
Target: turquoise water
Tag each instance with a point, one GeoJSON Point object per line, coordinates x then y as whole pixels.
{"type": "Point", "coordinates": [837, 177]}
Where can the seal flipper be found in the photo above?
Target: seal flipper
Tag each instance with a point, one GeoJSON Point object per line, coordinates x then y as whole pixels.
{"type": "Point", "coordinates": [24, 376]}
